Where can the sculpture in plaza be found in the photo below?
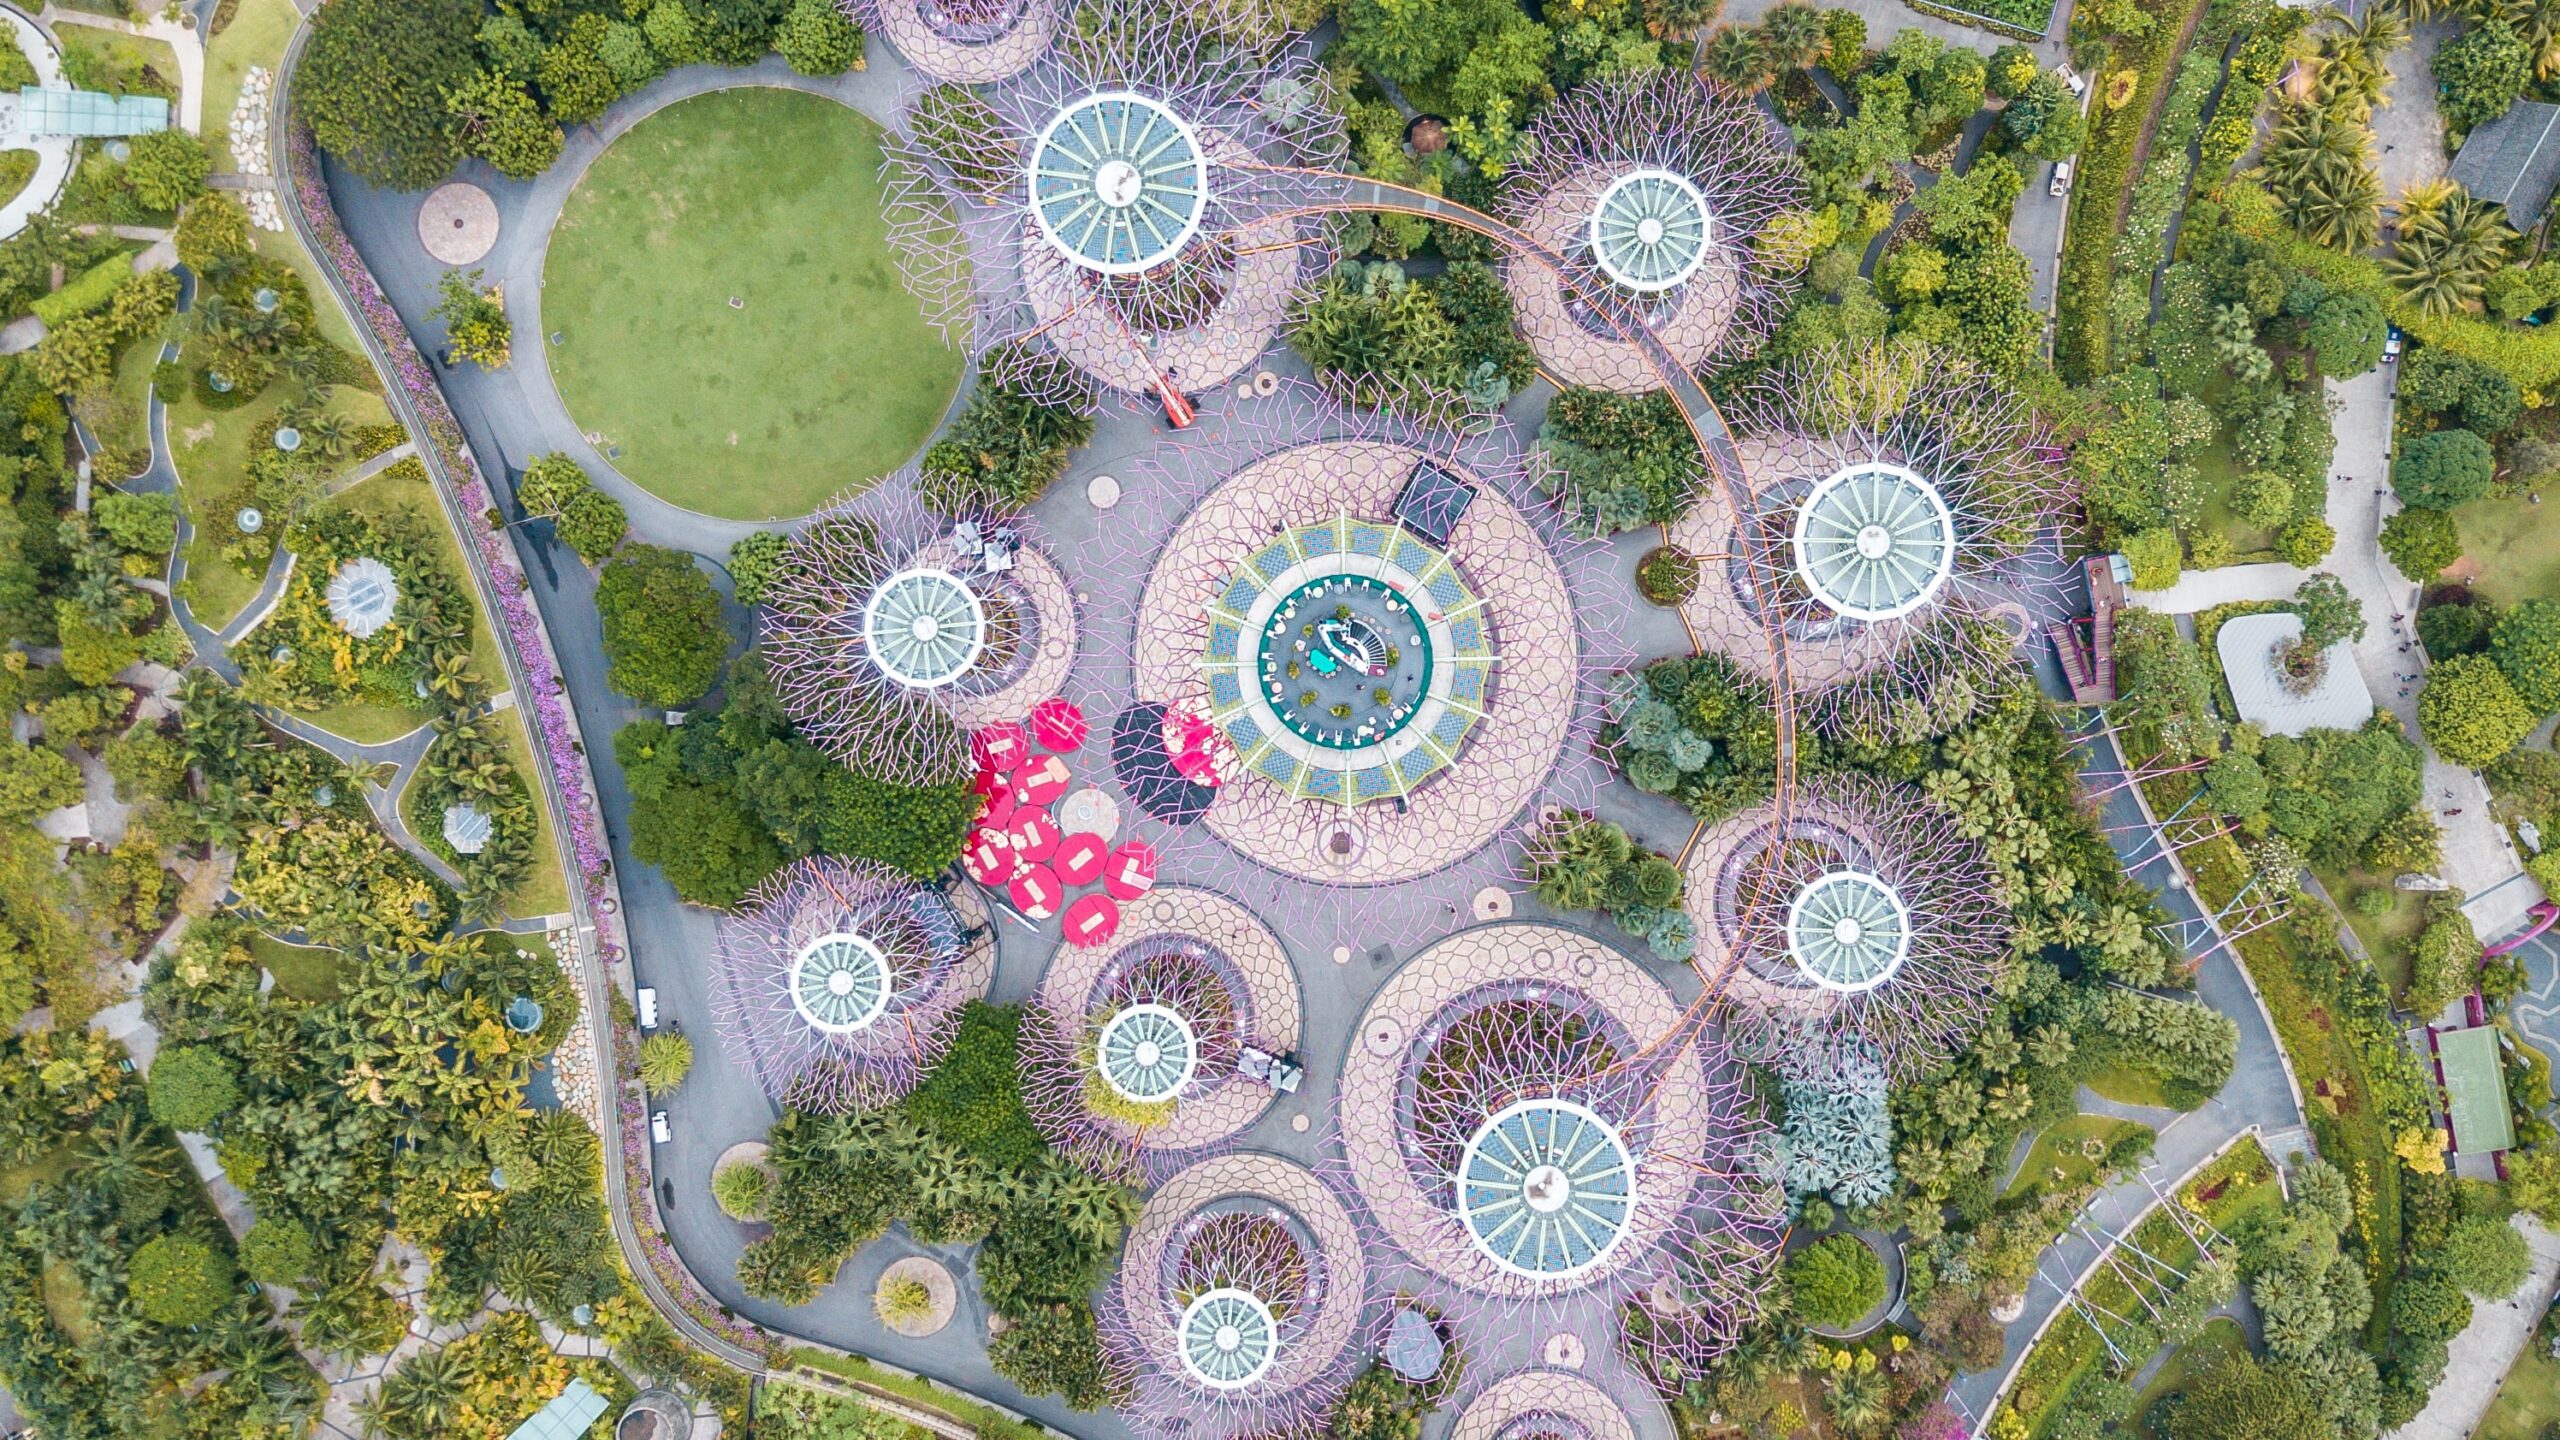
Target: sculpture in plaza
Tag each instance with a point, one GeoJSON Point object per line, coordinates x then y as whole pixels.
{"type": "Point", "coordinates": [1132, 209]}
{"type": "Point", "coordinates": [1647, 194]}
{"type": "Point", "coordinates": [1865, 915]}
{"type": "Point", "coordinates": [839, 982]}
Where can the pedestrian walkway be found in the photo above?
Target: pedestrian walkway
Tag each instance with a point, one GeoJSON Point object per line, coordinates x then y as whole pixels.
{"type": "Point", "coordinates": [2487, 1348]}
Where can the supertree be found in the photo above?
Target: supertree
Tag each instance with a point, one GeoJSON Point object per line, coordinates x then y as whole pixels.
{"type": "Point", "coordinates": [1542, 1404]}
{"type": "Point", "coordinates": [1134, 203]}
{"type": "Point", "coordinates": [1345, 651]}
{"type": "Point", "coordinates": [1240, 1298]}
{"type": "Point", "coordinates": [1899, 533]}
{"type": "Point", "coordinates": [1650, 190]}
{"type": "Point", "coordinates": [1145, 1054]}
{"type": "Point", "coordinates": [963, 42]}
{"type": "Point", "coordinates": [1530, 1119]}
{"type": "Point", "coordinates": [1867, 915]}
{"type": "Point", "coordinates": [890, 629]}
{"type": "Point", "coordinates": [839, 981]}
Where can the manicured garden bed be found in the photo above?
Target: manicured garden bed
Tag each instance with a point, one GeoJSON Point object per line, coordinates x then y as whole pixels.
{"type": "Point", "coordinates": [730, 319]}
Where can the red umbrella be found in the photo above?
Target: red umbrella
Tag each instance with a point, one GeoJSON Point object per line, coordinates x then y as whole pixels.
{"type": "Point", "coordinates": [1036, 892]}
{"type": "Point", "coordinates": [1131, 871]}
{"type": "Point", "coordinates": [1079, 858]}
{"type": "Point", "coordinates": [989, 780]}
{"type": "Point", "coordinates": [989, 860]}
{"type": "Point", "coordinates": [997, 812]}
{"type": "Point", "coordinates": [1057, 724]}
{"type": "Point", "coordinates": [1092, 920]}
{"type": "Point", "coordinates": [1033, 835]}
{"type": "Point", "coordinates": [1042, 781]}
{"type": "Point", "coordinates": [999, 747]}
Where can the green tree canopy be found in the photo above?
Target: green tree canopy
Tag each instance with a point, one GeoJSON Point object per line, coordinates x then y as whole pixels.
{"type": "Point", "coordinates": [178, 1280]}
{"type": "Point", "coordinates": [1835, 1281]}
{"type": "Point", "coordinates": [278, 1251]}
{"type": "Point", "coordinates": [192, 1086]}
{"type": "Point", "coordinates": [2470, 712]}
{"type": "Point", "coordinates": [2329, 613]}
{"type": "Point", "coordinates": [664, 635]}
{"type": "Point", "coordinates": [2421, 542]}
{"type": "Point", "coordinates": [2482, 71]}
{"type": "Point", "coordinates": [373, 79]}
{"type": "Point", "coordinates": [2526, 645]}
{"type": "Point", "coordinates": [2443, 469]}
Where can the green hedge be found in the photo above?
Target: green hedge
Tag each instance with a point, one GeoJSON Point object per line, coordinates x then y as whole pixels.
{"type": "Point", "coordinates": [94, 288]}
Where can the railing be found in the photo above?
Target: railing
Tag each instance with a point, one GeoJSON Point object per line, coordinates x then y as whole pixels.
{"type": "Point", "coordinates": [567, 787]}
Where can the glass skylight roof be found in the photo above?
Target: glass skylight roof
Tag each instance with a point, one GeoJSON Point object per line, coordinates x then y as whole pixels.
{"type": "Point", "coordinates": [1147, 1053]}
{"type": "Point", "coordinates": [1874, 542]}
{"type": "Point", "coordinates": [362, 596]}
{"type": "Point", "coordinates": [1229, 1338]}
{"type": "Point", "coordinates": [1848, 931]}
{"type": "Point", "coordinates": [1650, 230]}
{"type": "Point", "coordinates": [924, 628]}
{"type": "Point", "coordinates": [840, 983]}
{"type": "Point", "coordinates": [1118, 182]}
{"type": "Point", "coordinates": [1546, 1189]}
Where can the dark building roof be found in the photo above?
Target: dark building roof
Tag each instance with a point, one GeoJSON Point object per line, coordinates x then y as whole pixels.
{"type": "Point", "coordinates": [1432, 502]}
{"type": "Point", "coordinates": [2514, 160]}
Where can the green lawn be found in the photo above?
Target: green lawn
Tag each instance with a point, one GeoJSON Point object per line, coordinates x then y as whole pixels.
{"type": "Point", "coordinates": [211, 447]}
{"type": "Point", "coordinates": [827, 377]}
{"type": "Point", "coordinates": [103, 59]}
{"type": "Point", "coordinates": [2528, 1401]}
{"type": "Point", "coordinates": [305, 972]}
{"type": "Point", "coordinates": [256, 36]}
{"type": "Point", "coordinates": [2060, 1148]}
{"type": "Point", "coordinates": [2130, 1085]}
{"type": "Point", "coordinates": [2217, 473]}
{"type": "Point", "coordinates": [2516, 544]}
{"type": "Point", "coordinates": [2220, 1339]}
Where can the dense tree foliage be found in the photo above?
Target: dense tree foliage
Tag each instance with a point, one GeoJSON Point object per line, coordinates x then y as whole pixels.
{"type": "Point", "coordinates": [2470, 712]}
{"type": "Point", "coordinates": [2443, 469]}
{"type": "Point", "coordinates": [373, 81]}
{"type": "Point", "coordinates": [1620, 460]}
{"type": "Point", "coordinates": [663, 629]}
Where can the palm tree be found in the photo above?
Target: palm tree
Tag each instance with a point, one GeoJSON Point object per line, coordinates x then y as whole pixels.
{"type": "Point", "coordinates": [330, 433]}
{"type": "Point", "coordinates": [1738, 60]}
{"type": "Point", "coordinates": [2448, 248]}
{"type": "Point", "coordinates": [2541, 33]}
{"type": "Point", "coordinates": [425, 1394]}
{"type": "Point", "coordinates": [123, 1156]}
{"type": "Point", "coordinates": [2340, 206]}
{"type": "Point", "coordinates": [1794, 35]}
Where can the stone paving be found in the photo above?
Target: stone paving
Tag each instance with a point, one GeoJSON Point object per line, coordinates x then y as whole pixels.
{"type": "Point", "coordinates": [1373, 1130]}
{"type": "Point", "coordinates": [1499, 552]}
{"type": "Point", "coordinates": [1035, 579]}
{"type": "Point", "coordinates": [1693, 327]}
{"type": "Point", "coordinates": [1541, 1402]}
{"type": "Point", "coordinates": [1270, 269]}
{"type": "Point", "coordinates": [1228, 1104]}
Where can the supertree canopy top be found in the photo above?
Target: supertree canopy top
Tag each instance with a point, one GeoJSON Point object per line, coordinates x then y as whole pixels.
{"type": "Point", "coordinates": [1159, 1047]}
{"type": "Point", "coordinates": [1542, 1405]}
{"type": "Point", "coordinates": [890, 629]}
{"type": "Point", "coordinates": [962, 41]}
{"type": "Point", "coordinates": [1646, 194]}
{"type": "Point", "coordinates": [1865, 917]}
{"type": "Point", "coordinates": [1530, 1119]}
{"type": "Point", "coordinates": [839, 981]}
{"type": "Point", "coordinates": [1902, 503]}
{"type": "Point", "coordinates": [1242, 1291]}
{"type": "Point", "coordinates": [1131, 208]}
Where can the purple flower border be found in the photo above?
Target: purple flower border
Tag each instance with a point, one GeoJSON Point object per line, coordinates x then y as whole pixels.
{"type": "Point", "coordinates": [524, 632]}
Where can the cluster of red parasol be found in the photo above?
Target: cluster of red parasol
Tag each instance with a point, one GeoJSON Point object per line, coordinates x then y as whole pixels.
{"type": "Point", "coordinates": [1022, 848]}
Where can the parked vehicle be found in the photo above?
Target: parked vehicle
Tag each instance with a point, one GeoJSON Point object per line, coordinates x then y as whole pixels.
{"type": "Point", "coordinates": [2064, 73]}
{"type": "Point", "coordinates": [659, 1130]}
{"type": "Point", "coordinates": [2061, 178]}
{"type": "Point", "coordinates": [648, 1006]}
{"type": "Point", "coordinates": [2391, 344]}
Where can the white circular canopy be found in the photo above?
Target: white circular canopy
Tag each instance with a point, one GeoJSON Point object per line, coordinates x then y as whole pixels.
{"type": "Point", "coordinates": [1848, 931]}
{"type": "Point", "coordinates": [840, 983]}
{"type": "Point", "coordinates": [1118, 182]}
{"type": "Point", "coordinates": [1875, 541]}
{"type": "Point", "coordinates": [924, 628]}
{"type": "Point", "coordinates": [1229, 1338]}
{"type": "Point", "coordinates": [1546, 1189]}
{"type": "Point", "coordinates": [1147, 1053]}
{"type": "Point", "coordinates": [1650, 230]}
{"type": "Point", "coordinates": [362, 596]}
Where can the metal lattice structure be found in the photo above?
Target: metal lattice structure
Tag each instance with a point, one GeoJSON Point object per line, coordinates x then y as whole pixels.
{"type": "Point", "coordinates": [1141, 1057]}
{"type": "Point", "coordinates": [1542, 1405]}
{"type": "Point", "coordinates": [1533, 1123]}
{"type": "Point", "coordinates": [962, 42]}
{"type": "Point", "coordinates": [1652, 190]}
{"type": "Point", "coordinates": [1241, 1296]}
{"type": "Point", "coordinates": [1866, 914]}
{"type": "Point", "coordinates": [1523, 616]}
{"type": "Point", "coordinates": [1900, 532]}
{"type": "Point", "coordinates": [1127, 210]}
{"type": "Point", "coordinates": [890, 629]}
{"type": "Point", "coordinates": [839, 982]}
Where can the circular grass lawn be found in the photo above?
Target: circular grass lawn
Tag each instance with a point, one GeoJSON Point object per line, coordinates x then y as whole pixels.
{"type": "Point", "coordinates": [827, 374]}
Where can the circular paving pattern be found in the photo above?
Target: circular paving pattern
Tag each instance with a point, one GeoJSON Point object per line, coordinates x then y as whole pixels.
{"type": "Point", "coordinates": [942, 1295]}
{"type": "Point", "coordinates": [1688, 297]}
{"type": "Point", "coordinates": [1542, 1405]}
{"type": "Point", "coordinates": [458, 223]}
{"type": "Point", "coordinates": [1214, 581]}
{"type": "Point", "coordinates": [1548, 1195]}
{"type": "Point", "coordinates": [1195, 975]}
